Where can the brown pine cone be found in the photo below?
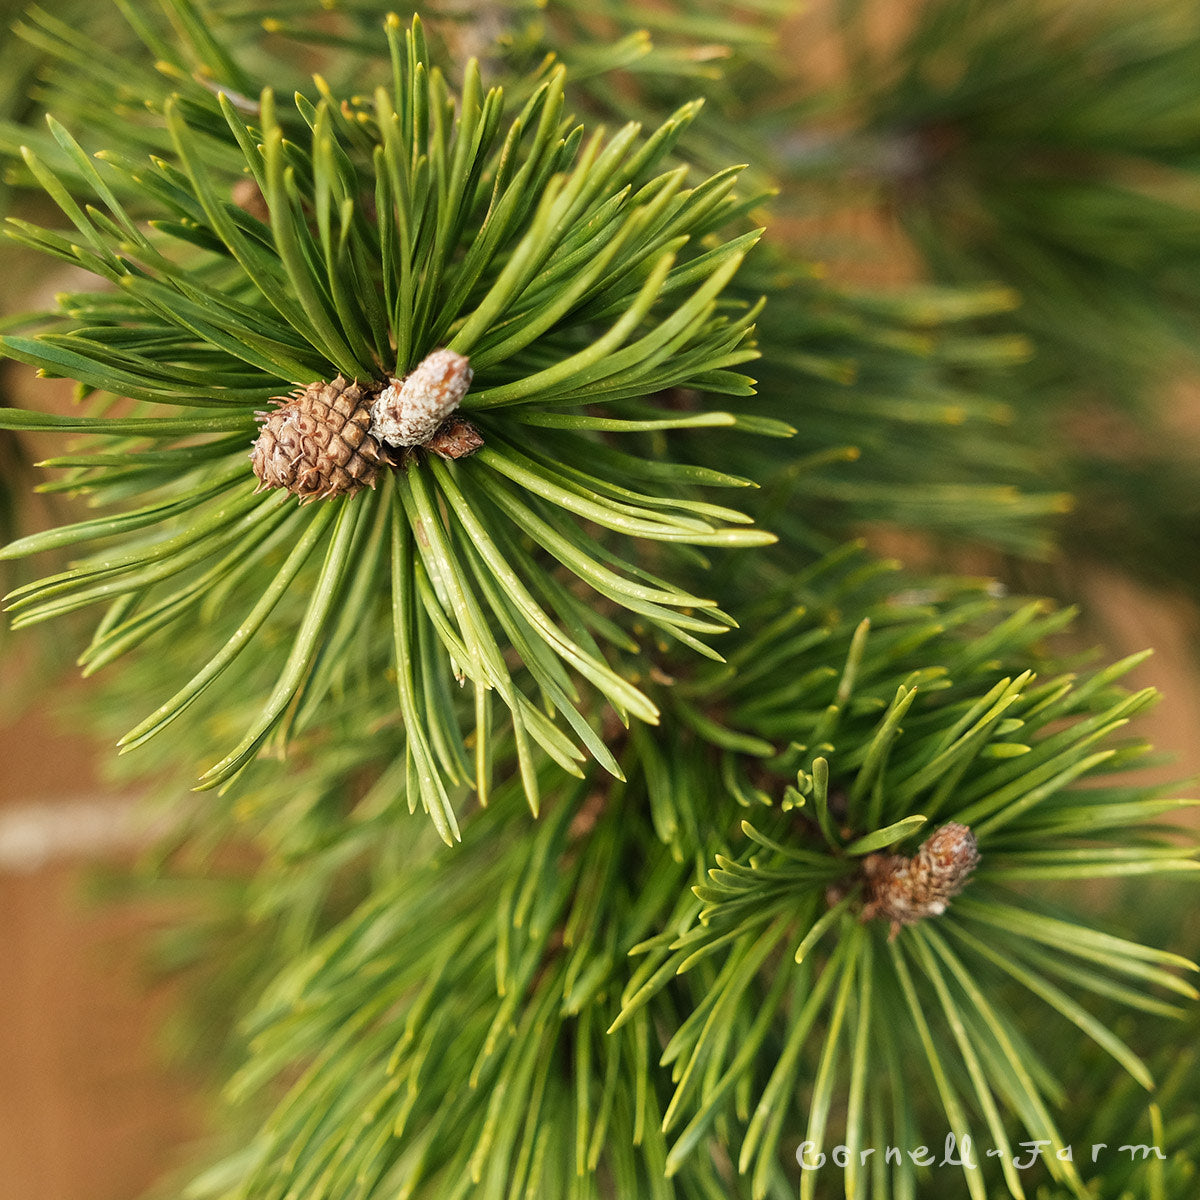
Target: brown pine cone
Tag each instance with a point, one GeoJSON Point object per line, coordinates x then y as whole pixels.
{"type": "Point", "coordinates": [905, 890]}
{"type": "Point", "coordinates": [316, 444]}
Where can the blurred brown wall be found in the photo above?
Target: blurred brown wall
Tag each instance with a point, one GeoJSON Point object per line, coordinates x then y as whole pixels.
{"type": "Point", "coordinates": [87, 1109]}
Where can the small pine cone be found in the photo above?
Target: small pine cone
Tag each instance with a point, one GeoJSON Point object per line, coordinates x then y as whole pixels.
{"type": "Point", "coordinates": [905, 890]}
{"type": "Point", "coordinates": [317, 443]}
{"type": "Point", "coordinates": [409, 411]}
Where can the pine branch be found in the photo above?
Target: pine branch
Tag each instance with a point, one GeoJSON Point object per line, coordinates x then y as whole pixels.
{"type": "Point", "coordinates": [819, 905]}
{"type": "Point", "coordinates": [769, 991]}
{"type": "Point", "coordinates": [1057, 156]}
{"type": "Point", "coordinates": [901, 415]}
{"type": "Point", "coordinates": [561, 270]}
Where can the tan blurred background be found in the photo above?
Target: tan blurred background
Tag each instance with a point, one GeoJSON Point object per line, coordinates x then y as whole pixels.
{"type": "Point", "coordinates": [88, 1109]}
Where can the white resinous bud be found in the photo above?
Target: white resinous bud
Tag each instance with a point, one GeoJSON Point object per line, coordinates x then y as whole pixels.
{"type": "Point", "coordinates": [409, 411]}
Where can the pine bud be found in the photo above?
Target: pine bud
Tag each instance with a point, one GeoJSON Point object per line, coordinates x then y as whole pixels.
{"type": "Point", "coordinates": [408, 412]}
{"type": "Point", "coordinates": [317, 443]}
{"type": "Point", "coordinates": [456, 438]}
{"type": "Point", "coordinates": [905, 890]}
